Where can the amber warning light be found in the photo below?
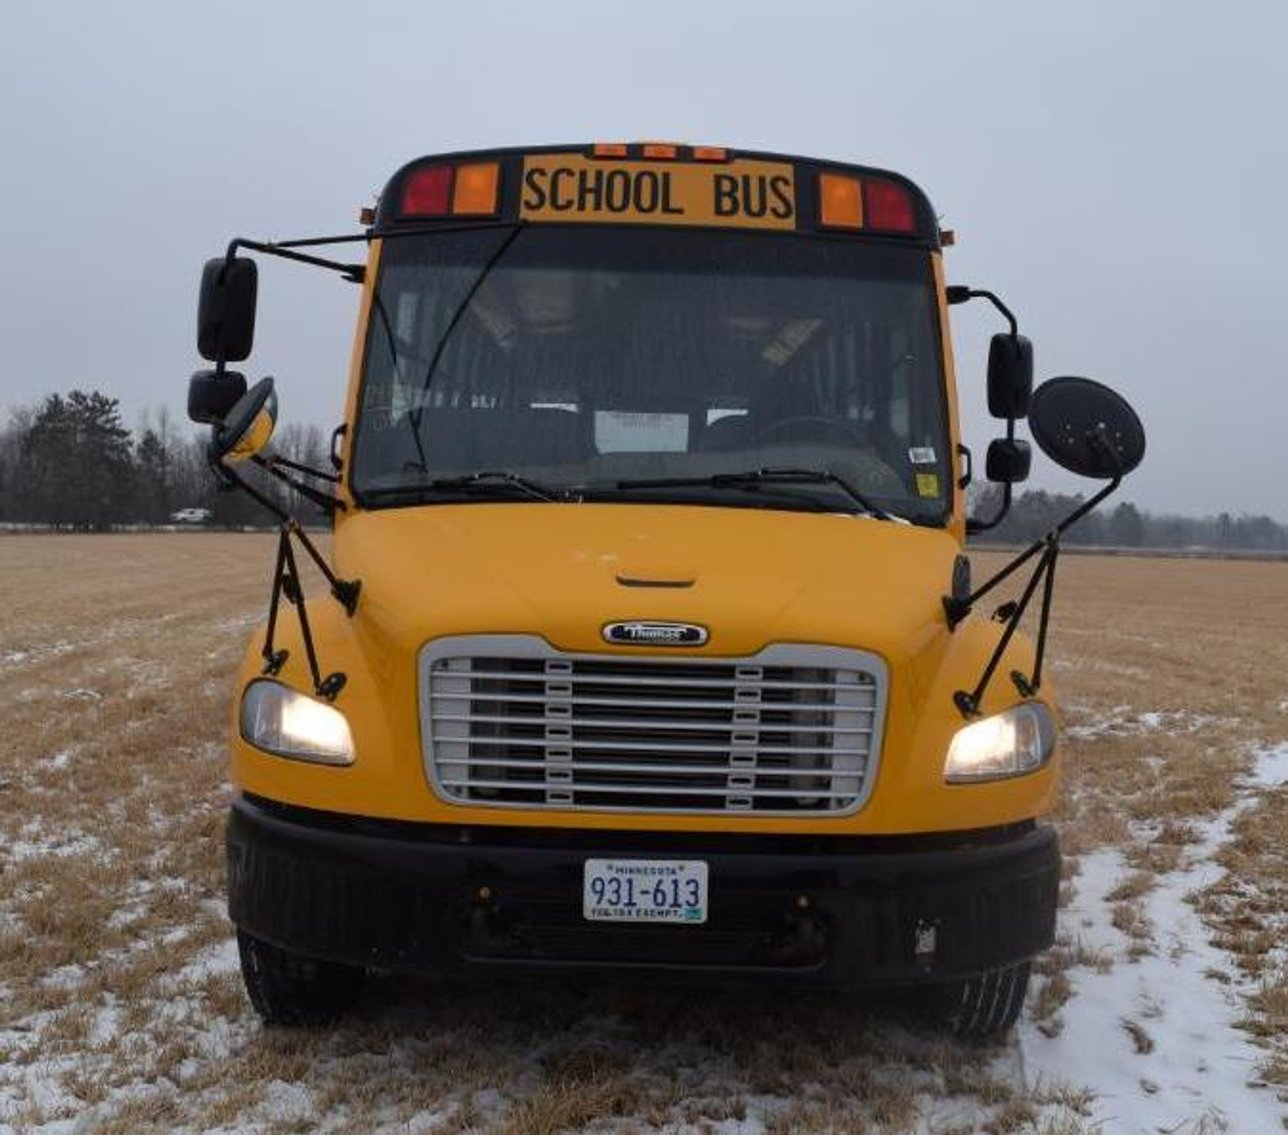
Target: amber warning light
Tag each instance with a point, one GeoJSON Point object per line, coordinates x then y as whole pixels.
{"type": "Point", "coordinates": [465, 190]}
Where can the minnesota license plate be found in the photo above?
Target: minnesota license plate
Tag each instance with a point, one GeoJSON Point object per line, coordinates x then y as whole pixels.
{"type": "Point", "coordinates": [644, 890]}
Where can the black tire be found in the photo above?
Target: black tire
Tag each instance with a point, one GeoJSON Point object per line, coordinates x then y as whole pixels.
{"type": "Point", "coordinates": [288, 989]}
{"type": "Point", "coordinates": [980, 1008]}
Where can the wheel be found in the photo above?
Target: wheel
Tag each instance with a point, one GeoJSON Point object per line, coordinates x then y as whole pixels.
{"type": "Point", "coordinates": [288, 989]}
{"type": "Point", "coordinates": [788, 425]}
{"type": "Point", "coordinates": [983, 1007]}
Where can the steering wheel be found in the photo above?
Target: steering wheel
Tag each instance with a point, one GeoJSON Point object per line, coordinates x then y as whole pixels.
{"type": "Point", "coordinates": [784, 424]}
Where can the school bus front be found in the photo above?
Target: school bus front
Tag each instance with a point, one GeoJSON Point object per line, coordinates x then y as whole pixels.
{"type": "Point", "coordinates": [650, 481]}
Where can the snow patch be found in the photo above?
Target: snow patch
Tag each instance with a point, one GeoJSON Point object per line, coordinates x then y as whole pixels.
{"type": "Point", "coordinates": [1156, 1035]}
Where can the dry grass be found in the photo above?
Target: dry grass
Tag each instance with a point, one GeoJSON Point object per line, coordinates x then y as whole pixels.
{"type": "Point", "coordinates": [119, 998]}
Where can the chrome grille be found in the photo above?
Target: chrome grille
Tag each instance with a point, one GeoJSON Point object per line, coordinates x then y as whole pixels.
{"type": "Point", "coordinates": [508, 721]}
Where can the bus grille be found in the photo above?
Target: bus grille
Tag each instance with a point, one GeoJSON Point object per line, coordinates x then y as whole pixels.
{"type": "Point", "coordinates": [510, 722]}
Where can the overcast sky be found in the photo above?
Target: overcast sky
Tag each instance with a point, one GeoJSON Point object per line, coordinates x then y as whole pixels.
{"type": "Point", "coordinates": [1115, 170]}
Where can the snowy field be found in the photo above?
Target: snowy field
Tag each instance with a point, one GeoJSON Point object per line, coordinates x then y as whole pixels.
{"type": "Point", "coordinates": [1162, 1009]}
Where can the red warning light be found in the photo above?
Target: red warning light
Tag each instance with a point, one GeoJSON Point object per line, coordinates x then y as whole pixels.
{"type": "Point", "coordinates": [427, 192]}
{"type": "Point", "coordinates": [889, 207]}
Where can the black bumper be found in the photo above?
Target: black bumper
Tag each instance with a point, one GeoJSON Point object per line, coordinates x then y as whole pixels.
{"type": "Point", "coordinates": [841, 912]}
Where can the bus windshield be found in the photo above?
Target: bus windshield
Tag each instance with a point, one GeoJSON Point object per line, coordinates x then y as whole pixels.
{"type": "Point", "coordinates": [595, 362]}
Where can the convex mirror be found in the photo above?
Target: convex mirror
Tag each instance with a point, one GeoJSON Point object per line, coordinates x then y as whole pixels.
{"type": "Point", "coordinates": [249, 424]}
{"type": "Point", "coordinates": [1008, 461]}
{"type": "Point", "coordinates": [212, 395]}
{"type": "Point", "coordinates": [226, 309]}
{"type": "Point", "coordinates": [1085, 427]}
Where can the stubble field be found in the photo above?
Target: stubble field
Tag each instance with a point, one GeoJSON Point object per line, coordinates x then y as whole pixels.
{"type": "Point", "coordinates": [1164, 1006]}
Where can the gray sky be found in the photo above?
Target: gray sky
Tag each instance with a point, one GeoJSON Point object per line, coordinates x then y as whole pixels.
{"type": "Point", "coordinates": [1114, 170]}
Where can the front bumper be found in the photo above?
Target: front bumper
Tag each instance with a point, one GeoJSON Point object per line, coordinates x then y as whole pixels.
{"type": "Point", "coordinates": [837, 912]}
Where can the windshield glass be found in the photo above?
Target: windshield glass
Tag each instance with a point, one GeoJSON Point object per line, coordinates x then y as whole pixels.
{"type": "Point", "coordinates": [588, 359]}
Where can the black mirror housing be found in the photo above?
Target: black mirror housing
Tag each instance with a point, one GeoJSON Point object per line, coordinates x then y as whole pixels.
{"type": "Point", "coordinates": [226, 309]}
{"type": "Point", "coordinates": [1085, 427]}
{"type": "Point", "coordinates": [1008, 461]}
{"type": "Point", "coordinates": [1010, 376]}
{"type": "Point", "coordinates": [212, 394]}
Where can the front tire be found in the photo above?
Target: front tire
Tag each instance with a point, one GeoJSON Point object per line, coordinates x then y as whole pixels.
{"type": "Point", "coordinates": [979, 1008]}
{"type": "Point", "coordinates": [289, 989]}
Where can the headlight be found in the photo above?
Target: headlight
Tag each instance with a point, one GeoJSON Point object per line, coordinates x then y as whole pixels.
{"type": "Point", "coordinates": [292, 725]}
{"type": "Point", "coordinates": [1012, 743]}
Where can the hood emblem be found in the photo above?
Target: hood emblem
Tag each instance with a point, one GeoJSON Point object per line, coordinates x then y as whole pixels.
{"type": "Point", "coordinates": [644, 632]}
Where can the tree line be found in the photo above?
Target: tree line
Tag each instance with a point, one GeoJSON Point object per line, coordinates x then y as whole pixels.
{"type": "Point", "coordinates": [1035, 512]}
{"type": "Point", "coordinates": [71, 462]}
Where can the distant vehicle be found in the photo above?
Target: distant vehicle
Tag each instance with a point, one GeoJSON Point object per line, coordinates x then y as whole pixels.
{"type": "Point", "coordinates": [191, 516]}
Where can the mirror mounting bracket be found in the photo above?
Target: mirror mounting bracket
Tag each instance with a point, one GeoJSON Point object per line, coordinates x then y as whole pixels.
{"type": "Point", "coordinates": [287, 585]}
{"type": "Point", "coordinates": [1047, 550]}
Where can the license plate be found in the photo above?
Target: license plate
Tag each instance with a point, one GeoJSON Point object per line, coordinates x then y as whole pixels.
{"type": "Point", "coordinates": [644, 890]}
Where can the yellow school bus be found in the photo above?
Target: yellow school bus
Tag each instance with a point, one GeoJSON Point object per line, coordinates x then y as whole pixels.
{"type": "Point", "coordinates": [655, 650]}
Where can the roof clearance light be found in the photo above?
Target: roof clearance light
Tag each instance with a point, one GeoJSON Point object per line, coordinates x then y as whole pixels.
{"type": "Point", "coordinates": [889, 207]}
{"type": "Point", "coordinates": [475, 190]}
{"type": "Point", "coordinates": [710, 154]}
{"type": "Point", "coordinates": [610, 150]}
{"type": "Point", "coordinates": [427, 191]}
{"type": "Point", "coordinates": [839, 202]}
{"type": "Point", "coordinates": [660, 150]}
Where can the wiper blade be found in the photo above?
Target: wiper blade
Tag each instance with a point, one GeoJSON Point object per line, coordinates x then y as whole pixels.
{"type": "Point", "coordinates": [487, 481]}
{"type": "Point", "coordinates": [751, 478]}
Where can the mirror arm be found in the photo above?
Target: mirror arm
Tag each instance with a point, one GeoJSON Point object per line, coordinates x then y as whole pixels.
{"type": "Point", "coordinates": [960, 293]}
{"type": "Point", "coordinates": [345, 591]}
{"type": "Point", "coordinates": [320, 474]}
{"type": "Point", "coordinates": [286, 250]}
{"type": "Point", "coordinates": [958, 609]}
{"type": "Point", "coordinates": [974, 524]}
{"type": "Point", "coordinates": [323, 500]}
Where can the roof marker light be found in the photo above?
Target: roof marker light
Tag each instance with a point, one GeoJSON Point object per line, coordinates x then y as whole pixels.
{"type": "Point", "coordinates": [710, 154]}
{"type": "Point", "coordinates": [889, 207]}
{"type": "Point", "coordinates": [610, 150]}
{"type": "Point", "coordinates": [427, 192]}
{"type": "Point", "coordinates": [840, 204]}
{"type": "Point", "coordinates": [665, 150]}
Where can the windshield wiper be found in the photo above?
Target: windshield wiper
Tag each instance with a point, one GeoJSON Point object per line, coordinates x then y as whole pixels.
{"type": "Point", "coordinates": [414, 417]}
{"type": "Point", "coordinates": [752, 478]}
{"type": "Point", "coordinates": [487, 481]}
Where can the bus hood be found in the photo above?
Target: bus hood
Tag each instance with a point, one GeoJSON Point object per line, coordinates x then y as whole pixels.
{"type": "Point", "coordinates": [751, 577]}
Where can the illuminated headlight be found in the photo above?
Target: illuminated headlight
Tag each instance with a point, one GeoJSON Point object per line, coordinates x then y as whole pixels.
{"type": "Point", "coordinates": [1007, 744]}
{"type": "Point", "coordinates": [292, 725]}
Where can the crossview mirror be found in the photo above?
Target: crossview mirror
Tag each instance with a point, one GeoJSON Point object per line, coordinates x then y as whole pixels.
{"type": "Point", "coordinates": [1010, 375]}
{"type": "Point", "coordinates": [211, 395]}
{"type": "Point", "coordinates": [226, 309]}
{"type": "Point", "coordinates": [1008, 461]}
{"type": "Point", "coordinates": [1087, 428]}
{"type": "Point", "coordinates": [249, 424]}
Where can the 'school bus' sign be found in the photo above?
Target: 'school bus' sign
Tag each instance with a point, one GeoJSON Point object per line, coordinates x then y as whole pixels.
{"type": "Point", "coordinates": [739, 194]}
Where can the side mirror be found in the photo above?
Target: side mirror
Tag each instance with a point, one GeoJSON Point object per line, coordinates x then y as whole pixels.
{"type": "Point", "coordinates": [249, 424]}
{"type": "Point", "coordinates": [1008, 461]}
{"type": "Point", "coordinates": [1085, 427]}
{"type": "Point", "coordinates": [226, 309]}
{"type": "Point", "coordinates": [212, 395]}
{"type": "Point", "coordinates": [1010, 375]}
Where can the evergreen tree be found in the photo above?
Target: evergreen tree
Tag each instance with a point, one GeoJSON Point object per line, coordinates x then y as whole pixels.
{"type": "Point", "coordinates": [76, 466]}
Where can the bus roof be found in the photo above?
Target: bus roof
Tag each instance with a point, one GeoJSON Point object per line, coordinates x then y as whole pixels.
{"type": "Point", "coordinates": [656, 184]}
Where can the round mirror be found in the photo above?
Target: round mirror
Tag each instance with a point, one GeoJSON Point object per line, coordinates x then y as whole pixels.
{"type": "Point", "coordinates": [1085, 427]}
{"type": "Point", "coordinates": [249, 424]}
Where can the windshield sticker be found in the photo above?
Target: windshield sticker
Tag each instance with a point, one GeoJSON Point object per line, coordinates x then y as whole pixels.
{"type": "Point", "coordinates": [928, 484]}
{"type": "Point", "coordinates": [922, 455]}
{"type": "Point", "coordinates": [621, 431]}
